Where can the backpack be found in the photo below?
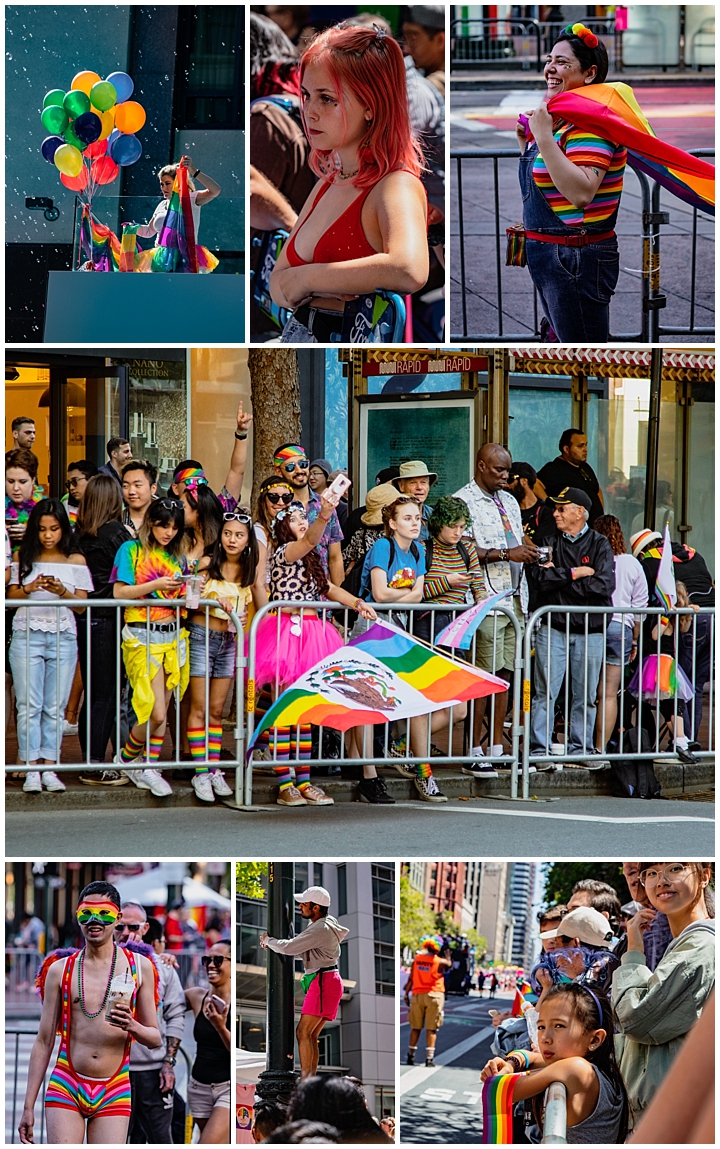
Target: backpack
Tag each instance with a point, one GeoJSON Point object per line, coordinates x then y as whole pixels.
{"type": "Point", "coordinates": [414, 551]}
{"type": "Point", "coordinates": [634, 777]}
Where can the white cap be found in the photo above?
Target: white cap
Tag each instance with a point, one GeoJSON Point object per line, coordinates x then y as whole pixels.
{"type": "Point", "coordinates": [316, 894]}
{"type": "Point", "coordinates": [585, 924]}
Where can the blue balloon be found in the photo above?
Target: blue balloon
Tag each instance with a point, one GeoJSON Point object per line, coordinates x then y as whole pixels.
{"type": "Point", "coordinates": [50, 145]}
{"type": "Point", "coordinates": [88, 127]}
{"type": "Point", "coordinates": [122, 84]}
{"type": "Point", "coordinates": [125, 150]}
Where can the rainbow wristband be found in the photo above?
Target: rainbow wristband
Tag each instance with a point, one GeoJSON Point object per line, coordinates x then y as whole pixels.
{"type": "Point", "coordinates": [519, 1053]}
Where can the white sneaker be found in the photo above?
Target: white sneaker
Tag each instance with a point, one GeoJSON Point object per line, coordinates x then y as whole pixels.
{"type": "Point", "coordinates": [219, 785]}
{"type": "Point", "coordinates": [32, 783]}
{"type": "Point", "coordinates": [69, 727]}
{"type": "Point", "coordinates": [203, 787]}
{"type": "Point", "coordinates": [51, 781]}
{"type": "Point", "coordinates": [152, 780]}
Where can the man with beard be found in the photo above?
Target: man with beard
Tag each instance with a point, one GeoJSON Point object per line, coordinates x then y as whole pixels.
{"type": "Point", "coordinates": [89, 1089]}
{"type": "Point", "coordinates": [292, 464]}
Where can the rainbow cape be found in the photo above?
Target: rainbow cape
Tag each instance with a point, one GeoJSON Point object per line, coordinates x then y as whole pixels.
{"type": "Point", "coordinates": [176, 248]}
{"type": "Point", "coordinates": [611, 111]}
{"type": "Point", "coordinates": [497, 1103]}
{"type": "Point", "coordinates": [459, 632]}
{"type": "Point", "coordinates": [380, 676]}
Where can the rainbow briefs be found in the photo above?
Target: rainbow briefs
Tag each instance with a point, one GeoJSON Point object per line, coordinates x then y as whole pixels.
{"type": "Point", "coordinates": [497, 1105]}
{"type": "Point", "coordinates": [86, 1095]}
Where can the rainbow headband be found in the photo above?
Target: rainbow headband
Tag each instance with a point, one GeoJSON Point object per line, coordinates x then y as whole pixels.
{"type": "Point", "coordinates": [189, 473]}
{"type": "Point", "coordinates": [588, 38]}
{"type": "Point", "coordinates": [106, 913]}
{"type": "Point", "coordinates": [292, 452]}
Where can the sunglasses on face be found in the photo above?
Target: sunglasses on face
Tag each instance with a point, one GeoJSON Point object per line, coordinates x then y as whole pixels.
{"type": "Point", "coordinates": [72, 483]}
{"type": "Point", "coordinates": [213, 959]}
{"type": "Point", "coordinates": [301, 464]}
{"type": "Point", "coordinates": [131, 927]}
{"type": "Point", "coordinates": [105, 915]}
{"type": "Point", "coordinates": [169, 504]}
{"type": "Point", "coordinates": [238, 516]}
{"type": "Point", "coordinates": [275, 498]}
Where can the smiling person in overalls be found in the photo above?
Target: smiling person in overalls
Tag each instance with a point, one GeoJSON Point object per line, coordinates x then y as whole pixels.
{"type": "Point", "coordinates": [571, 182]}
{"type": "Point", "coordinates": [319, 946]}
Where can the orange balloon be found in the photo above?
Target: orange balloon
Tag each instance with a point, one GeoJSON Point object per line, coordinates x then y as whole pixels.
{"type": "Point", "coordinates": [129, 117]}
{"type": "Point", "coordinates": [108, 122]}
{"type": "Point", "coordinates": [84, 81]}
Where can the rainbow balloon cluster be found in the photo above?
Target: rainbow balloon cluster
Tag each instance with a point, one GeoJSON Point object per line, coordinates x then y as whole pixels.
{"type": "Point", "coordinates": [92, 129]}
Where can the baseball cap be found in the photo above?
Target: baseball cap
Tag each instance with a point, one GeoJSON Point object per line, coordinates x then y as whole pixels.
{"type": "Point", "coordinates": [585, 924]}
{"type": "Point", "coordinates": [572, 495]}
{"type": "Point", "coordinates": [641, 540]}
{"type": "Point", "coordinates": [316, 894]}
{"type": "Point", "coordinates": [524, 471]}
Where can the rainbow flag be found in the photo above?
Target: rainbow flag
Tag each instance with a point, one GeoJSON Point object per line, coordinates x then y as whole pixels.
{"type": "Point", "coordinates": [176, 248]}
{"type": "Point", "coordinates": [524, 997]}
{"type": "Point", "coordinates": [459, 632]}
{"type": "Point", "coordinates": [381, 676]}
{"type": "Point", "coordinates": [665, 580]}
{"type": "Point", "coordinates": [611, 111]}
{"type": "Point", "coordinates": [98, 242]}
{"type": "Point", "coordinates": [497, 1104]}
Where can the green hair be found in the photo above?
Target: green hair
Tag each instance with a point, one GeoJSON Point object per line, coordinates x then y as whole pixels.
{"type": "Point", "coordinates": [447, 511]}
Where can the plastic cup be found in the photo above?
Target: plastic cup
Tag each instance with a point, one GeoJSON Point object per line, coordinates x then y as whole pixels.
{"type": "Point", "coordinates": [121, 989]}
{"type": "Point", "coordinates": [193, 588]}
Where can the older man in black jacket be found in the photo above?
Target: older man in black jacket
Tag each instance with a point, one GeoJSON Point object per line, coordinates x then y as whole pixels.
{"type": "Point", "coordinates": [581, 573]}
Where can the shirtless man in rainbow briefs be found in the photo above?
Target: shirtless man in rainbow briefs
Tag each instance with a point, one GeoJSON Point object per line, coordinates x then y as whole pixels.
{"type": "Point", "coordinates": [90, 1082]}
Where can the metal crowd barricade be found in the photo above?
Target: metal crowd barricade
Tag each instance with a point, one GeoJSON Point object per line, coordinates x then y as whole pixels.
{"type": "Point", "coordinates": [555, 1123]}
{"type": "Point", "coordinates": [21, 966]}
{"type": "Point", "coordinates": [495, 40]}
{"type": "Point", "coordinates": [87, 606]}
{"type": "Point", "coordinates": [542, 616]}
{"type": "Point", "coordinates": [388, 609]}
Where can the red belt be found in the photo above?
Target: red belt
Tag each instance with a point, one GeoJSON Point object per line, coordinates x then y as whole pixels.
{"type": "Point", "coordinates": [581, 240]}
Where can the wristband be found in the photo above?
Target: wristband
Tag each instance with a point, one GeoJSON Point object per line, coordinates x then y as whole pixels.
{"type": "Point", "coordinates": [515, 1055]}
{"type": "Point", "coordinates": [323, 519]}
{"type": "Point", "coordinates": [241, 435]}
{"type": "Point", "coordinates": [196, 173]}
{"type": "Point", "coordinates": [172, 1061]}
{"type": "Point", "coordinates": [664, 620]}
{"type": "Point", "coordinates": [22, 588]}
{"type": "Point", "coordinates": [357, 603]}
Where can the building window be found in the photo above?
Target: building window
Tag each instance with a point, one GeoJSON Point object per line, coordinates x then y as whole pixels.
{"type": "Point", "coordinates": [342, 890]}
{"type": "Point", "coordinates": [253, 1035]}
{"type": "Point", "coordinates": [209, 72]}
{"type": "Point", "coordinates": [329, 1047]}
{"type": "Point", "coordinates": [252, 917]}
{"type": "Point", "coordinates": [383, 882]}
{"type": "Point", "coordinates": [318, 873]}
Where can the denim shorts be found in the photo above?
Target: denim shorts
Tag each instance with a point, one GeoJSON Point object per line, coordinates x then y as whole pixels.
{"type": "Point", "coordinates": [613, 644]}
{"type": "Point", "coordinates": [221, 652]}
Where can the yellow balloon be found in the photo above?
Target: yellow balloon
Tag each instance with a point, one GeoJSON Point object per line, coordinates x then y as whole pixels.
{"type": "Point", "coordinates": [84, 81]}
{"type": "Point", "coordinates": [129, 117]}
{"type": "Point", "coordinates": [68, 160]}
{"type": "Point", "coordinates": [108, 122]}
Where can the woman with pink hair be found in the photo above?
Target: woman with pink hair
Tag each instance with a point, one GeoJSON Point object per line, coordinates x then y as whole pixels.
{"type": "Point", "coordinates": [363, 228]}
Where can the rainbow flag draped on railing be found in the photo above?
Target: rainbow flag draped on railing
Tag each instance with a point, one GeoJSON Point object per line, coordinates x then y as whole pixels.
{"type": "Point", "coordinates": [611, 111]}
{"type": "Point", "coordinates": [497, 1105]}
{"type": "Point", "coordinates": [176, 248]}
{"type": "Point", "coordinates": [98, 242]}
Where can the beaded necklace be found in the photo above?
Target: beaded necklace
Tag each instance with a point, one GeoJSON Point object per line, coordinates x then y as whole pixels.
{"type": "Point", "coordinates": [81, 983]}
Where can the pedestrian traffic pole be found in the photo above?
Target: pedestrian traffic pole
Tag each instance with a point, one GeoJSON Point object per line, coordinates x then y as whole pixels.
{"type": "Point", "coordinates": [278, 1080]}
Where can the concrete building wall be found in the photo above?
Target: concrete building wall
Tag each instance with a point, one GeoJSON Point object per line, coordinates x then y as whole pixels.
{"type": "Point", "coordinates": [523, 878]}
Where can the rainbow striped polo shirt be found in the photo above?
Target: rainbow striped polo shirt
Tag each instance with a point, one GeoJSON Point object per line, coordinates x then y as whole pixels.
{"type": "Point", "coordinates": [585, 150]}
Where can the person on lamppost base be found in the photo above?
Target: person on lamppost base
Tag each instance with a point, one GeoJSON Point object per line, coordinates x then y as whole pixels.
{"type": "Point", "coordinates": [319, 946]}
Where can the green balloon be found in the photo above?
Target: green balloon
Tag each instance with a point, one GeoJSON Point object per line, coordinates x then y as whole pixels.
{"type": "Point", "coordinates": [70, 138]}
{"type": "Point", "coordinates": [54, 98]}
{"type": "Point", "coordinates": [103, 96]}
{"type": "Point", "coordinates": [54, 120]}
{"type": "Point", "coordinates": [75, 103]}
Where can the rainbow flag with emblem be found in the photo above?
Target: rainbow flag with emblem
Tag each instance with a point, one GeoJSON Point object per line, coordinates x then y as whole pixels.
{"type": "Point", "coordinates": [665, 580]}
{"type": "Point", "coordinates": [380, 676]}
{"type": "Point", "coordinates": [611, 111]}
{"type": "Point", "coordinates": [497, 1105]}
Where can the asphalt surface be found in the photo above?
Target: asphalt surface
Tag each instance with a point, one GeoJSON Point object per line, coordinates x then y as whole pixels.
{"type": "Point", "coordinates": [443, 1104]}
{"type": "Point", "coordinates": [574, 827]}
{"type": "Point", "coordinates": [485, 120]}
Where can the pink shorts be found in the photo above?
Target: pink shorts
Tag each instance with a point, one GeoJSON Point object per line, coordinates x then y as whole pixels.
{"type": "Point", "coordinates": [332, 991]}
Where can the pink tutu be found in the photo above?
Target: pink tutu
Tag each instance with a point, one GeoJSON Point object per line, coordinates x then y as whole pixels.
{"type": "Point", "coordinates": [302, 643]}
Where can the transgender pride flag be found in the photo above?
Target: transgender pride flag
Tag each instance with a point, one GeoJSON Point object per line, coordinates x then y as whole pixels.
{"type": "Point", "coordinates": [665, 582]}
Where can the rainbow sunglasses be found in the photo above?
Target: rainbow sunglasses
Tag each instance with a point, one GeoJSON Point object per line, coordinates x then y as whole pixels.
{"type": "Point", "coordinates": [106, 913]}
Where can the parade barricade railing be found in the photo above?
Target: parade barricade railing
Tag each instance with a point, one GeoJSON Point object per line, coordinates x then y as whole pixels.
{"type": "Point", "coordinates": [555, 1123]}
{"type": "Point", "coordinates": [695, 644]}
{"type": "Point", "coordinates": [124, 718]}
{"type": "Point", "coordinates": [384, 610]}
{"type": "Point", "coordinates": [21, 966]}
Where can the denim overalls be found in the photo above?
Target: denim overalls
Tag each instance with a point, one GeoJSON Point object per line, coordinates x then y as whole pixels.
{"type": "Point", "coordinates": [575, 284]}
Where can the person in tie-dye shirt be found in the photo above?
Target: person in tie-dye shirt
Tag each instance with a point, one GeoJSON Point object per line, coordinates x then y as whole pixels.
{"type": "Point", "coordinates": [571, 182]}
{"type": "Point", "coordinates": [154, 643]}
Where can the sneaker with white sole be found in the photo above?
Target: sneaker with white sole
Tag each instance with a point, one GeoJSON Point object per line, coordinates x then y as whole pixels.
{"type": "Point", "coordinates": [428, 789]}
{"type": "Point", "coordinates": [69, 728]}
{"type": "Point", "coordinates": [104, 778]}
{"type": "Point", "coordinates": [51, 781]}
{"type": "Point", "coordinates": [219, 785]}
{"type": "Point", "coordinates": [479, 770]}
{"type": "Point", "coordinates": [596, 761]}
{"type": "Point", "coordinates": [152, 780]}
{"type": "Point", "coordinates": [290, 796]}
{"type": "Point", "coordinates": [203, 787]}
{"type": "Point", "coordinates": [407, 769]}
{"type": "Point", "coordinates": [314, 796]}
{"type": "Point", "coordinates": [33, 782]}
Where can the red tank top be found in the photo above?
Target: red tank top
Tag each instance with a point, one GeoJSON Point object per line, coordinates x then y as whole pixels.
{"type": "Point", "coordinates": [343, 240]}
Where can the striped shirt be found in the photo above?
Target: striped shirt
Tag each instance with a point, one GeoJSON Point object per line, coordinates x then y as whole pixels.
{"type": "Point", "coordinates": [590, 151]}
{"type": "Point", "coordinates": [445, 561]}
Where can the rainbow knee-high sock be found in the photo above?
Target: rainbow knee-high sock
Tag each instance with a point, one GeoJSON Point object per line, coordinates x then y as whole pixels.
{"type": "Point", "coordinates": [131, 750]}
{"type": "Point", "coordinates": [280, 742]}
{"type": "Point", "coordinates": [283, 777]}
{"type": "Point", "coordinates": [215, 737]}
{"type": "Point", "coordinates": [156, 741]}
{"type": "Point", "coordinates": [302, 741]}
{"type": "Point", "coordinates": [196, 741]}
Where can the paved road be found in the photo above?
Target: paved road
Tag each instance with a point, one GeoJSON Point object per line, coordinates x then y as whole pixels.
{"type": "Point", "coordinates": [578, 827]}
{"type": "Point", "coordinates": [684, 117]}
{"type": "Point", "coordinates": [443, 1104]}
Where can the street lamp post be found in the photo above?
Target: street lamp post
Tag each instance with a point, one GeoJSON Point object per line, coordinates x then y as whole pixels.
{"type": "Point", "coordinates": [277, 1081]}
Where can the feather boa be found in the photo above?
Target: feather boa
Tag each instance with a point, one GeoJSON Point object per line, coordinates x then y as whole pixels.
{"type": "Point", "coordinates": [141, 948]}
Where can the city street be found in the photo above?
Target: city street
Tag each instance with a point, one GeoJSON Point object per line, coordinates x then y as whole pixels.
{"type": "Point", "coordinates": [485, 120]}
{"type": "Point", "coordinates": [599, 826]}
{"type": "Point", "coordinates": [443, 1104]}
